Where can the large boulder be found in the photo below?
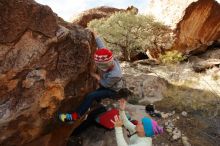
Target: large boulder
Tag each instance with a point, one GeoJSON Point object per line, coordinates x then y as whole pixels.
{"type": "Point", "coordinates": [147, 87]}
{"type": "Point", "coordinates": [199, 27]}
{"type": "Point", "coordinates": [196, 22]}
{"type": "Point", "coordinates": [98, 13]}
{"type": "Point", "coordinates": [175, 86]}
{"type": "Point", "coordinates": [16, 18]}
{"type": "Point", "coordinates": [38, 74]}
{"type": "Point", "coordinates": [205, 61]}
{"type": "Point", "coordinates": [170, 12]}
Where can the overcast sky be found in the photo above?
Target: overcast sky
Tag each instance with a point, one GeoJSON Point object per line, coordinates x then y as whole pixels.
{"type": "Point", "coordinates": [67, 9]}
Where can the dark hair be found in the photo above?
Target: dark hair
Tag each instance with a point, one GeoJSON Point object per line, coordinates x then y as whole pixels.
{"type": "Point", "coordinates": [124, 93]}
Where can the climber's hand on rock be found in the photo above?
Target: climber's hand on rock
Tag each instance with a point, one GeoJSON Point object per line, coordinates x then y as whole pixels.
{"type": "Point", "coordinates": [117, 121]}
{"type": "Point", "coordinates": [93, 31]}
{"type": "Point", "coordinates": [93, 67]}
{"type": "Point", "coordinates": [96, 76]}
{"type": "Point", "coordinates": [62, 33]}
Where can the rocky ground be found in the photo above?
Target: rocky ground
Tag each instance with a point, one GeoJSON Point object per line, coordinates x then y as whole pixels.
{"type": "Point", "coordinates": [181, 129]}
{"type": "Point", "coordinates": [42, 73]}
{"type": "Point", "coordinates": [187, 101]}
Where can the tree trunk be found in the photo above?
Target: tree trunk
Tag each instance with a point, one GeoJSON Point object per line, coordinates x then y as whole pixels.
{"type": "Point", "coordinates": [126, 54]}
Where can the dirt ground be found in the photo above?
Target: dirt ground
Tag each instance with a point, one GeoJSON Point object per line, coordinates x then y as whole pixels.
{"type": "Point", "coordinates": [199, 130]}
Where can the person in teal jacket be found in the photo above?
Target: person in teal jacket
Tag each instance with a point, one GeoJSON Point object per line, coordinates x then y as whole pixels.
{"type": "Point", "coordinates": [142, 133]}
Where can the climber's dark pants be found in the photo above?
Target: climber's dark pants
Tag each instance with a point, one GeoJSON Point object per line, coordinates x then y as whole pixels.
{"type": "Point", "coordinates": [97, 95]}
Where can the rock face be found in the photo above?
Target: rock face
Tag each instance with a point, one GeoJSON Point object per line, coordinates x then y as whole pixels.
{"type": "Point", "coordinates": [147, 87]}
{"type": "Point", "coordinates": [98, 13]}
{"type": "Point", "coordinates": [95, 13]}
{"type": "Point", "coordinates": [209, 59]}
{"type": "Point", "coordinates": [39, 76]}
{"type": "Point", "coordinates": [168, 11]}
{"type": "Point", "coordinates": [199, 27]}
{"type": "Point", "coordinates": [196, 22]}
{"type": "Point", "coordinates": [41, 19]}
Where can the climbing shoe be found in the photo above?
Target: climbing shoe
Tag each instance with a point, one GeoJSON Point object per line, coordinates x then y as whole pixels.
{"type": "Point", "coordinates": [68, 118]}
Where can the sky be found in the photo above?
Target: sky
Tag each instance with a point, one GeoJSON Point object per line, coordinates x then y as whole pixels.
{"type": "Point", "coordinates": [67, 9]}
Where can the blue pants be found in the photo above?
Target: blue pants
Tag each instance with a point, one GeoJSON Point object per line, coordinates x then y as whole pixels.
{"type": "Point", "coordinates": [97, 95]}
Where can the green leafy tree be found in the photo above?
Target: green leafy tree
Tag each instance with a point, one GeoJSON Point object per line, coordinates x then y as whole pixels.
{"type": "Point", "coordinates": [171, 57]}
{"type": "Point", "coordinates": [127, 32]}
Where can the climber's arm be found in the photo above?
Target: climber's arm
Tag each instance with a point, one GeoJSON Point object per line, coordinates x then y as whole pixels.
{"type": "Point", "coordinates": [128, 125]}
{"type": "Point", "coordinates": [100, 44]}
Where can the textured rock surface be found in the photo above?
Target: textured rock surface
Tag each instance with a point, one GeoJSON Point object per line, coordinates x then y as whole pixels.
{"type": "Point", "coordinates": [38, 78]}
{"type": "Point", "coordinates": [186, 94]}
{"type": "Point", "coordinates": [199, 27]}
{"type": "Point", "coordinates": [147, 87]}
{"type": "Point", "coordinates": [196, 22]}
{"type": "Point", "coordinates": [97, 13]}
{"type": "Point", "coordinates": [168, 11]}
{"type": "Point", "coordinates": [207, 60]}
{"type": "Point", "coordinates": [16, 18]}
{"type": "Point", "coordinates": [179, 84]}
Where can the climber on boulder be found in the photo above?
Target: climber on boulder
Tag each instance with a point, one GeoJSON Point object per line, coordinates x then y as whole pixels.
{"type": "Point", "coordinates": [141, 133]}
{"type": "Point", "coordinates": [110, 82]}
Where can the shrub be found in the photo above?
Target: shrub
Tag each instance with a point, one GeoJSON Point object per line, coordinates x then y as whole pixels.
{"type": "Point", "coordinates": [171, 57]}
{"type": "Point", "coordinates": [126, 32]}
